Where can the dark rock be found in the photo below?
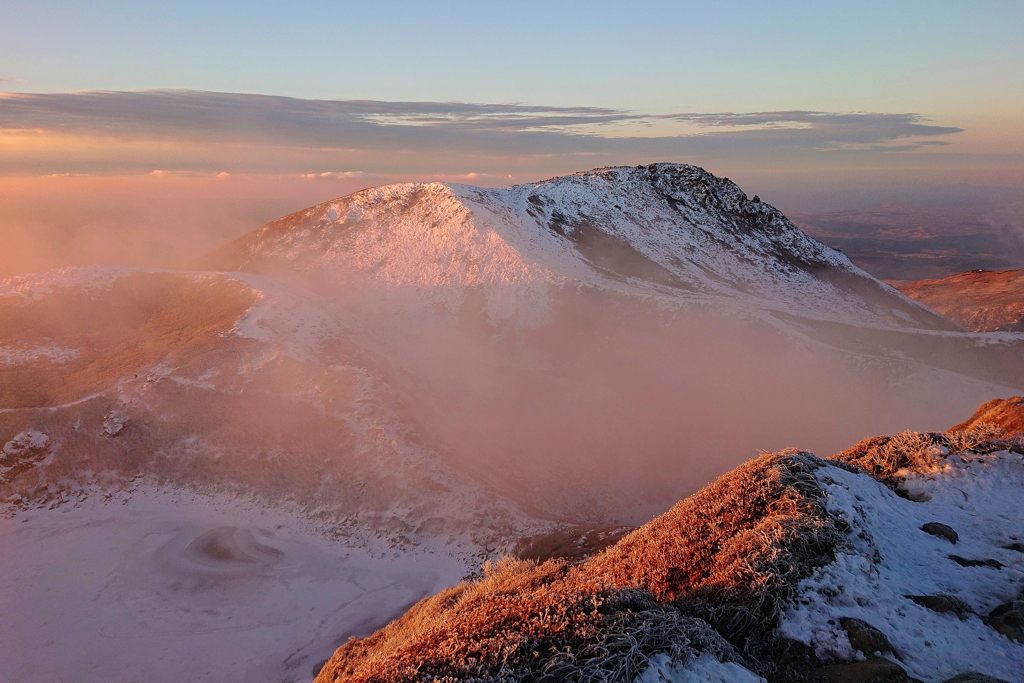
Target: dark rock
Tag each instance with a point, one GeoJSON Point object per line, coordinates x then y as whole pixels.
{"type": "Point", "coordinates": [943, 603]}
{"type": "Point", "coordinates": [974, 677]}
{"type": "Point", "coordinates": [870, 671]}
{"type": "Point", "coordinates": [1008, 619]}
{"type": "Point", "coordinates": [941, 530]}
{"type": "Point", "coordinates": [864, 637]}
{"type": "Point", "coordinates": [964, 562]}
{"type": "Point", "coordinates": [1019, 547]}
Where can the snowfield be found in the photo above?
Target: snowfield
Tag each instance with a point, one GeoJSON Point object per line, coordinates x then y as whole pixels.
{"type": "Point", "coordinates": [166, 587]}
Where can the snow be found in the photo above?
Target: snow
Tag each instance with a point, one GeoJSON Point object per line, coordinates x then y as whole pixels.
{"type": "Point", "coordinates": [37, 285]}
{"type": "Point", "coordinates": [890, 557]}
{"type": "Point", "coordinates": [27, 441]}
{"type": "Point", "coordinates": [50, 353]}
{"type": "Point", "coordinates": [167, 586]}
{"type": "Point", "coordinates": [704, 669]}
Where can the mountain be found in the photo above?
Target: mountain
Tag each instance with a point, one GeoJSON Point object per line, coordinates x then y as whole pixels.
{"type": "Point", "coordinates": [666, 231]}
{"type": "Point", "coordinates": [980, 300]}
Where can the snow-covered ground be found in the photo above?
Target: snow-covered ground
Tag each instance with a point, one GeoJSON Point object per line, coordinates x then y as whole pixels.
{"type": "Point", "coordinates": [980, 497]}
{"type": "Point", "coordinates": [167, 587]}
{"type": "Point", "coordinates": [703, 669]}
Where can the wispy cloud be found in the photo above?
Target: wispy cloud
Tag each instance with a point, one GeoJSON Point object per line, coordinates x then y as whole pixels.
{"type": "Point", "coordinates": [387, 133]}
{"type": "Point", "coordinates": [10, 79]}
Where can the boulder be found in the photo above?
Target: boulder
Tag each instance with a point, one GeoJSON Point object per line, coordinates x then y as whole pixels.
{"type": "Point", "coordinates": [974, 677]}
{"type": "Point", "coordinates": [1008, 619]}
{"type": "Point", "coordinates": [864, 637]}
{"type": "Point", "coordinates": [943, 603]}
{"type": "Point", "coordinates": [941, 530]}
{"type": "Point", "coordinates": [869, 671]}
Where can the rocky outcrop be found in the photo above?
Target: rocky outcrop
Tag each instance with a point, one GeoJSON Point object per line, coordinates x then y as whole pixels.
{"type": "Point", "coordinates": [943, 604]}
{"type": "Point", "coordinates": [864, 637]}
{"type": "Point", "coordinates": [941, 530]}
{"type": "Point", "coordinates": [22, 453]}
{"type": "Point", "coordinates": [869, 671]}
{"type": "Point", "coordinates": [1008, 619]}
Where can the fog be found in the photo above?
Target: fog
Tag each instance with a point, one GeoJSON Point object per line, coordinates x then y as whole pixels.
{"type": "Point", "coordinates": [159, 220]}
{"type": "Point", "coordinates": [608, 408]}
{"type": "Point", "coordinates": [614, 409]}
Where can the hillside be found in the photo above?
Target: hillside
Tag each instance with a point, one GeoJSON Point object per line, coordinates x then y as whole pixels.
{"type": "Point", "coordinates": [789, 567]}
{"type": "Point", "coordinates": [980, 300]}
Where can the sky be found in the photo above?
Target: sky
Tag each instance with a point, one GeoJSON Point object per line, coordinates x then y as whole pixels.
{"type": "Point", "coordinates": [809, 104]}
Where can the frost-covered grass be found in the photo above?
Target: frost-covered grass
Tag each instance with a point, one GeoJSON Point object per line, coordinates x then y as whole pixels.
{"type": "Point", "coordinates": [730, 580]}
{"type": "Point", "coordinates": [730, 554]}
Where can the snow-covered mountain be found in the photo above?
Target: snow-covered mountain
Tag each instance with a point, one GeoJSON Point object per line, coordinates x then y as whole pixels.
{"type": "Point", "coordinates": [667, 231]}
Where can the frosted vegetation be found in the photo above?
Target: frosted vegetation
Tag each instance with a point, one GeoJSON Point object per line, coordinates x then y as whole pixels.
{"type": "Point", "coordinates": [778, 569]}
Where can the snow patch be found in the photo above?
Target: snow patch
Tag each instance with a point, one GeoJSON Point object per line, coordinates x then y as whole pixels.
{"type": "Point", "coordinates": [703, 669]}
{"type": "Point", "coordinates": [890, 557]}
{"type": "Point", "coordinates": [170, 586]}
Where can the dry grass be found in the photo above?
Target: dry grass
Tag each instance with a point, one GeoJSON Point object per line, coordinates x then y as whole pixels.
{"type": "Point", "coordinates": [1007, 414]}
{"type": "Point", "coordinates": [892, 458]}
{"type": "Point", "coordinates": [720, 563]}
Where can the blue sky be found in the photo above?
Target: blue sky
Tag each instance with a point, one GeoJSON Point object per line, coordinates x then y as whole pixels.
{"type": "Point", "coordinates": [663, 72]}
{"type": "Point", "coordinates": [935, 57]}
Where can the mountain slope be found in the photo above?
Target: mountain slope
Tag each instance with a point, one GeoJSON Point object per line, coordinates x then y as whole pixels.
{"type": "Point", "coordinates": [790, 566]}
{"type": "Point", "coordinates": [981, 300]}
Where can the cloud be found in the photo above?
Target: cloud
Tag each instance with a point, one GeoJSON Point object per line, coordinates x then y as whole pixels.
{"type": "Point", "coordinates": [824, 129]}
{"type": "Point", "coordinates": [239, 132]}
{"type": "Point", "coordinates": [9, 79]}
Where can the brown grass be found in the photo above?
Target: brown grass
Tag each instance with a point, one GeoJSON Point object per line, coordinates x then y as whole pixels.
{"type": "Point", "coordinates": [891, 459]}
{"type": "Point", "coordinates": [720, 562]}
{"type": "Point", "coordinates": [1006, 414]}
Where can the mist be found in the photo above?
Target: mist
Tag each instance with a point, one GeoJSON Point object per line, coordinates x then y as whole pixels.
{"type": "Point", "coordinates": [614, 410]}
